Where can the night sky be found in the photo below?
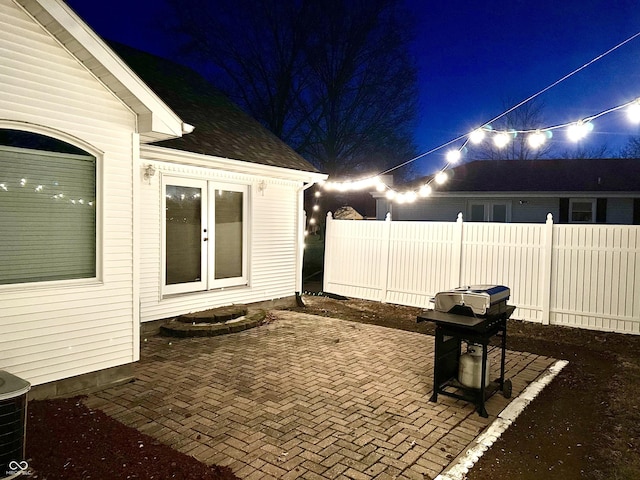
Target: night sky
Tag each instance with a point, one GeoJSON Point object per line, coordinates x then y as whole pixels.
{"type": "Point", "coordinates": [476, 57]}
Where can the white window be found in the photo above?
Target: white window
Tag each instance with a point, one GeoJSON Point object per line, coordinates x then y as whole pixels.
{"type": "Point", "coordinates": [205, 235]}
{"type": "Point", "coordinates": [481, 211]}
{"type": "Point", "coordinates": [582, 210]}
{"type": "Point", "coordinates": [47, 213]}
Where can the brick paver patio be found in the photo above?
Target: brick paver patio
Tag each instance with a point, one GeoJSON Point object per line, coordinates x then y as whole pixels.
{"type": "Point", "coordinates": [306, 397]}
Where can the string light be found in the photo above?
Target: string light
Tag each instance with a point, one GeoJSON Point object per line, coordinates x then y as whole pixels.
{"type": "Point", "coordinates": [535, 138]}
{"type": "Point", "coordinates": [501, 139]}
{"type": "Point", "coordinates": [633, 111]}
{"type": "Point", "coordinates": [576, 131]}
{"type": "Point", "coordinates": [454, 156]}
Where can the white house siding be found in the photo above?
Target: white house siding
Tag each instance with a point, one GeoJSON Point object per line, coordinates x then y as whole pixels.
{"type": "Point", "coordinates": [272, 228]}
{"type": "Point", "coordinates": [533, 209]}
{"type": "Point", "coordinates": [438, 209]}
{"type": "Point", "coordinates": [54, 331]}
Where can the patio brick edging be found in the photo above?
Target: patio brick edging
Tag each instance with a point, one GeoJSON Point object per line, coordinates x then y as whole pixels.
{"type": "Point", "coordinates": [459, 468]}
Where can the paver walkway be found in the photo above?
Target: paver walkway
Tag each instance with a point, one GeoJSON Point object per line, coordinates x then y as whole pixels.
{"type": "Point", "coordinates": [305, 397]}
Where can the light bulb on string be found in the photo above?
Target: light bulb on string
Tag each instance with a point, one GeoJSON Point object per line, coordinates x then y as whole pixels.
{"type": "Point", "coordinates": [501, 139]}
{"type": "Point", "coordinates": [578, 131]}
{"type": "Point", "coordinates": [424, 191]}
{"type": "Point", "coordinates": [536, 139]}
{"type": "Point", "coordinates": [441, 177]}
{"type": "Point", "coordinates": [453, 156]}
{"type": "Point", "coordinates": [381, 187]}
{"type": "Point", "coordinates": [477, 136]}
{"type": "Point", "coordinates": [633, 112]}
{"type": "Point", "coordinates": [410, 197]}
{"type": "Point", "coordinates": [391, 194]}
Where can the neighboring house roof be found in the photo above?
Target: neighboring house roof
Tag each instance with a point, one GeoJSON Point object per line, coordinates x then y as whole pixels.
{"type": "Point", "coordinates": [222, 129]}
{"type": "Point", "coordinates": [564, 175]}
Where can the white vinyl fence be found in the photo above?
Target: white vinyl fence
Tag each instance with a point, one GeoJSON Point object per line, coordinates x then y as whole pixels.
{"type": "Point", "coordinates": [585, 276]}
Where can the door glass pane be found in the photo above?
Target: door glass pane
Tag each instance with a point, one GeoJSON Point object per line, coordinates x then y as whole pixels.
{"type": "Point", "coordinates": [477, 213]}
{"type": "Point", "coordinates": [228, 234]}
{"type": "Point", "coordinates": [183, 231]}
{"type": "Point", "coordinates": [499, 213]}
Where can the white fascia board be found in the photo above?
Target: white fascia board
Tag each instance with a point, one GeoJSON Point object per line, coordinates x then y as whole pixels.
{"type": "Point", "coordinates": [163, 121]}
{"type": "Point", "coordinates": [181, 157]}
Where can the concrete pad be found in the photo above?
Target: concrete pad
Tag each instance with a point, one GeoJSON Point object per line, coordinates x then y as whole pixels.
{"type": "Point", "coordinates": [307, 397]}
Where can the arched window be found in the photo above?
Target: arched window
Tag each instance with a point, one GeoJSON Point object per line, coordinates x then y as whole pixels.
{"type": "Point", "coordinates": [47, 209]}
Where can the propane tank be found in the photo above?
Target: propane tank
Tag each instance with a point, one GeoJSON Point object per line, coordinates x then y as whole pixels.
{"type": "Point", "coordinates": [471, 366]}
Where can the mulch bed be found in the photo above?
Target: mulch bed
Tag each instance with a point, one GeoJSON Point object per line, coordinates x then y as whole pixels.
{"type": "Point", "coordinates": [68, 441]}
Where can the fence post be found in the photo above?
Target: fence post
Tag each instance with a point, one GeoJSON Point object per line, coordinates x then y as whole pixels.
{"type": "Point", "coordinates": [328, 242]}
{"type": "Point", "coordinates": [456, 252]}
{"type": "Point", "coordinates": [545, 280]}
{"type": "Point", "coordinates": [384, 260]}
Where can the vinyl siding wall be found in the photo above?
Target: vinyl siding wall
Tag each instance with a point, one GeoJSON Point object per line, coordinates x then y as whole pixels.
{"type": "Point", "coordinates": [272, 225]}
{"type": "Point", "coordinates": [58, 330]}
{"type": "Point", "coordinates": [531, 210]}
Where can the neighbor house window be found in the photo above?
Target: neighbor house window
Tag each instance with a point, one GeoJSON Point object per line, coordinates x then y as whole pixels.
{"type": "Point", "coordinates": [582, 210]}
{"type": "Point", "coordinates": [481, 211]}
{"type": "Point", "coordinates": [47, 212]}
{"type": "Point", "coordinates": [205, 235]}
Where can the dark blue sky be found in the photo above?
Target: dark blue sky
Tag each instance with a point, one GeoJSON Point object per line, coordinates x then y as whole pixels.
{"type": "Point", "coordinates": [475, 56]}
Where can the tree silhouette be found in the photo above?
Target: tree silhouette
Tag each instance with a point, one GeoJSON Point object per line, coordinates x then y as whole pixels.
{"type": "Point", "coordinates": [333, 78]}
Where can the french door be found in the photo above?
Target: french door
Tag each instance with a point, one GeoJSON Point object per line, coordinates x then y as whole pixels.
{"type": "Point", "coordinates": [205, 235]}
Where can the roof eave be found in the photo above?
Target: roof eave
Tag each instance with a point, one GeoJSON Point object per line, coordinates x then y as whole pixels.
{"type": "Point", "coordinates": [156, 121]}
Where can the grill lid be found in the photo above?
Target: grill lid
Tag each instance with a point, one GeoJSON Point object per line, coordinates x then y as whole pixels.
{"type": "Point", "coordinates": [477, 298]}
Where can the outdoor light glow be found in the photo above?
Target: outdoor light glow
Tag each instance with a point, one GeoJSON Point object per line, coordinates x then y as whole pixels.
{"type": "Point", "coordinates": [410, 197]}
{"type": "Point", "coordinates": [453, 156]}
{"type": "Point", "coordinates": [312, 221]}
{"type": "Point", "coordinates": [23, 182]}
{"type": "Point", "coordinates": [425, 191]}
{"type": "Point", "coordinates": [477, 136]}
{"type": "Point", "coordinates": [3, 187]}
{"type": "Point", "coordinates": [633, 112]}
{"type": "Point", "coordinates": [316, 208]}
{"type": "Point", "coordinates": [441, 177]}
{"type": "Point", "coordinates": [578, 131]}
{"type": "Point", "coordinates": [400, 198]}
{"type": "Point", "coordinates": [501, 139]}
{"type": "Point", "coordinates": [390, 194]}
{"type": "Point", "coordinates": [536, 139]}
{"type": "Point", "coordinates": [317, 194]}
{"type": "Point", "coordinates": [381, 187]}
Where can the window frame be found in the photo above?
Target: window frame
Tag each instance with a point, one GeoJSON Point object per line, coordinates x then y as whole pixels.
{"type": "Point", "coordinates": [592, 201]}
{"type": "Point", "coordinates": [98, 156]}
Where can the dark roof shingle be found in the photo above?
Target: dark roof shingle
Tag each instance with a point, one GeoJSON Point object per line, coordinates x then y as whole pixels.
{"type": "Point", "coordinates": [222, 129]}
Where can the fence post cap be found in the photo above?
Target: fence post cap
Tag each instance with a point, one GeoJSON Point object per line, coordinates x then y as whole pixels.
{"type": "Point", "coordinates": [329, 215]}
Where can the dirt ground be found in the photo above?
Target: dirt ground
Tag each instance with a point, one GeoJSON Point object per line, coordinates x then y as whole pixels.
{"type": "Point", "coordinates": [585, 424]}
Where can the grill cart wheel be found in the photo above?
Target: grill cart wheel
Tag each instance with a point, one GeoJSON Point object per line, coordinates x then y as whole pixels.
{"type": "Point", "coordinates": [506, 389]}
